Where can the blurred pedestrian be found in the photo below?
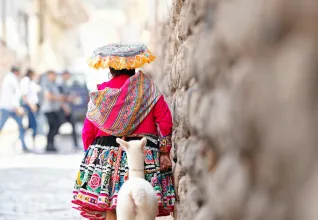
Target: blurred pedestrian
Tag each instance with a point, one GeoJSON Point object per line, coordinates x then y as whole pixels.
{"type": "Point", "coordinates": [51, 106]}
{"type": "Point", "coordinates": [66, 110]}
{"type": "Point", "coordinates": [41, 116]}
{"type": "Point", "coordinates": [30, 99]}
{"type": "Point", "coordinates": [10, 102]}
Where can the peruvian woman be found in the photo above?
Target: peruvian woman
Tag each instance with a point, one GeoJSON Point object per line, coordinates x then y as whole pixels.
{"type": "Point", "coordinates": [128, 106]}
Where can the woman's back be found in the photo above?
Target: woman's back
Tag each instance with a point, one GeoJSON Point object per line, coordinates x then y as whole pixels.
{"type": "Point", "coordinates": [158, 122]}
{"type": "Point", "coordinates": [148, 125]}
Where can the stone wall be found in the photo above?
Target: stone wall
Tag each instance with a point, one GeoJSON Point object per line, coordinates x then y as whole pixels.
{"type": "Point", "coordinates": [241, 78]}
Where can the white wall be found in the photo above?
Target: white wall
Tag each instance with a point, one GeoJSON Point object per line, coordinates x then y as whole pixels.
{"type": "Point", "coordinates": [13, 20]}
{"type": "Point", "coordinates": [102, 28]}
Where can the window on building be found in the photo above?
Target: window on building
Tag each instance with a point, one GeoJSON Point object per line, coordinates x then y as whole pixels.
{"type": "Point", "coordinates": [3, 7]}
{"type": "Point", "coordinates": [40, 16]}
{"type": "Point", "coordinates": [23, 26]}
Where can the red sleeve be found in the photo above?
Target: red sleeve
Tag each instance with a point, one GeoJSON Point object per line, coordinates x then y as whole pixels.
{"type": "Point", "coordinates": [163, 120]}
{"type": "Point", "coordinates": [89, 133]}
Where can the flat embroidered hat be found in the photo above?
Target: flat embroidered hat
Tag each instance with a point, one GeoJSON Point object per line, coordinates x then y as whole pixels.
{"type": "Point", "coordinates": [121, 56]}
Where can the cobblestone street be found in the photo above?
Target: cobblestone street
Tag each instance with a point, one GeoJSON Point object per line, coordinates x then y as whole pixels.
{"type": "Point", "coordinates": [37, 186]}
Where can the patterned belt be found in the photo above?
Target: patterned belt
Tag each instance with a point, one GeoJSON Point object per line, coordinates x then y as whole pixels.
{"type": "Point", "coordinates": [152, 138]}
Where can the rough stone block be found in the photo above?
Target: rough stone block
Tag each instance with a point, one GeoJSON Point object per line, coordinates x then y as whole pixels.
{"type": "Point", "coordinates": [241, 77]}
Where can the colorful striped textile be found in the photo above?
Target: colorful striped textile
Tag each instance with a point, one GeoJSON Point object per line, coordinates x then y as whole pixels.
{"type": "Point", "coordinates": [118, 112]}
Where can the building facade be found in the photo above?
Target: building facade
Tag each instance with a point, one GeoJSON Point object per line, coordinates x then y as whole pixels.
{"type": "Point", "coordinates": [37, 32]}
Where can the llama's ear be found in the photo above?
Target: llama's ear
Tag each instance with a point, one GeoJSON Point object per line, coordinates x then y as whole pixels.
{"type": "Point", "coordinates": [122, 143]}
{"type": "Point", "coordinates": [143, 143]}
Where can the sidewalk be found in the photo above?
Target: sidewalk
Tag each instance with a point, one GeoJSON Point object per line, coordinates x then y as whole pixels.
{"type": "Point", "coordinates": [37, 186]}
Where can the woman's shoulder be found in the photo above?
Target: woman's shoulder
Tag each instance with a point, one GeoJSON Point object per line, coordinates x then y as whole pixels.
{"type": "Point", "coordinates": [115, 82]}
{"type": "Point", "coordinates": [102, 85]}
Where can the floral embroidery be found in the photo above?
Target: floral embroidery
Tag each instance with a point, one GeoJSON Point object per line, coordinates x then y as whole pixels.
{"type": "Point", "coordinates": [98, 186]}
{"type": "Point", "coordinates": [164, 183]}
{"type": "Point", "coordinates": [103, 177]}
{"type": "Point", "coordinates": [78, 180]}
{"type": "Point", "coordinates": [148, 157]}
{"type": "Point", "coordinates": [102, 157]}
{"type": "Point", "coordinates": [88, 158]}
{"type": "Point", "coordinates": [95, 181]}
{"type": "Point", "coordinates": [165, 144]}
{"type": "Point", "coordinates": [112, 157]}
{"type": "Point", "coordinates": [94, 156]}
{"type": "Point", "coordinates": [154, 180]}
{"type": "Point", "coordinates": [121, 56]}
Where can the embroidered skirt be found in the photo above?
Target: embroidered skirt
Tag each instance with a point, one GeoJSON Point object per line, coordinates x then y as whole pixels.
{"type": "Point", "coordinates": [103, 171]}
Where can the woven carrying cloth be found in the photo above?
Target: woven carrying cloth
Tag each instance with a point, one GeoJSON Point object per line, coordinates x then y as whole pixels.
{"type": "Point", "coordinates": [118, 112]}
{"type": "Point", "coordinates": [121, 56]}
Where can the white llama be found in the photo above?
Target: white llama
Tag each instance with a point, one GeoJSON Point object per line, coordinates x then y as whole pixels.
{"type": "Point", "coordinates": [137, 199]}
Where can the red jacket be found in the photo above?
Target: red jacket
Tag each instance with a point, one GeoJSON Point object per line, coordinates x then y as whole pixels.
{"type": "Point", "coordinates": [158, 122]}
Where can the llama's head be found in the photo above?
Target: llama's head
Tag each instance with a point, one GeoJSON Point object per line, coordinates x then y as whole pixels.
{"type": "Point", "coordinates": [135, 152]}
